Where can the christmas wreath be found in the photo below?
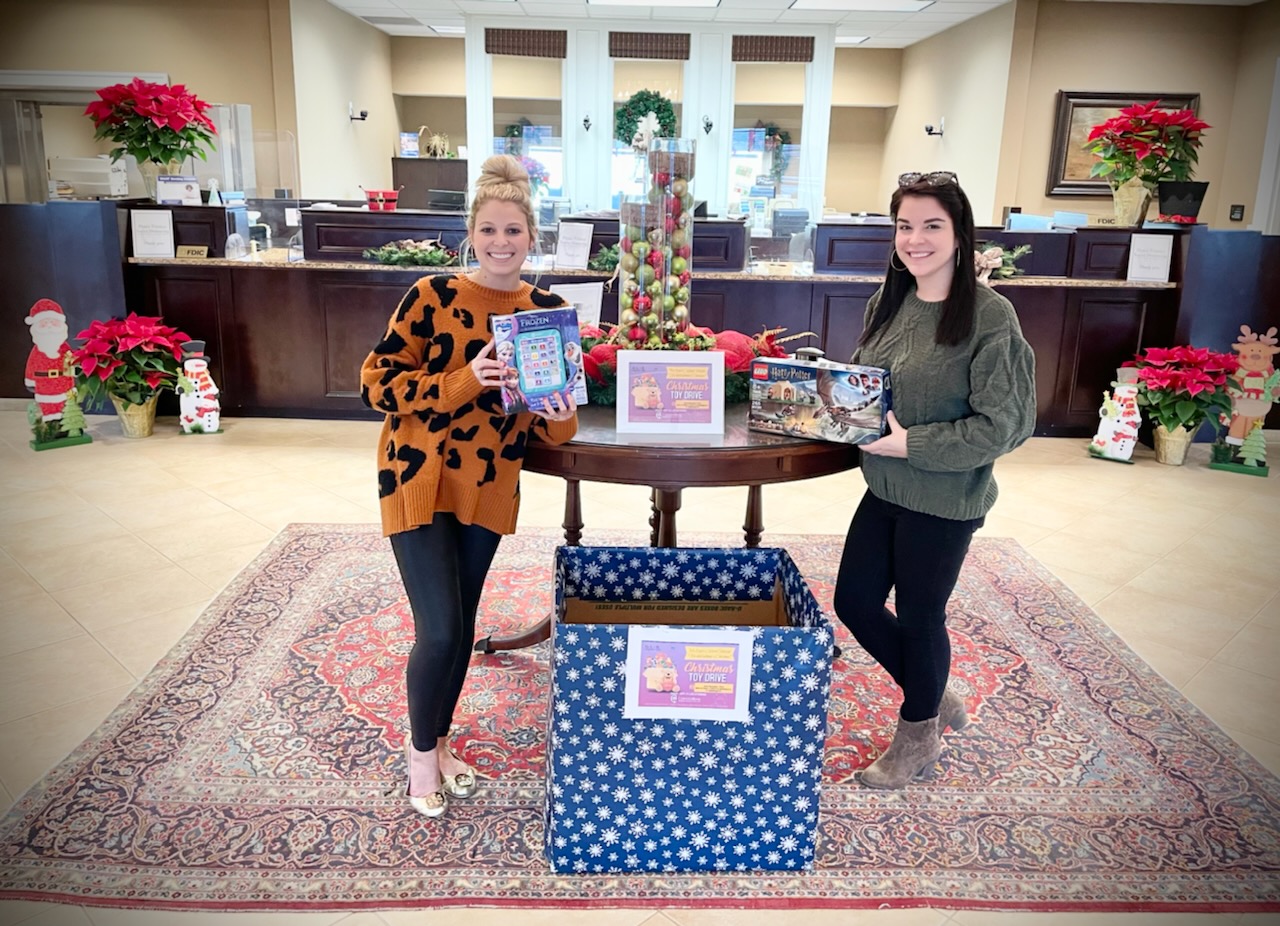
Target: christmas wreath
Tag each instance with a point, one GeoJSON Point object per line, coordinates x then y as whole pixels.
{"type": "Point", "coordinates": [642, 103]}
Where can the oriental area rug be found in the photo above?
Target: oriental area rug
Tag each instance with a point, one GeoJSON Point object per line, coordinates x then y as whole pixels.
{"type": "Point", "coordinates": [260, 767]}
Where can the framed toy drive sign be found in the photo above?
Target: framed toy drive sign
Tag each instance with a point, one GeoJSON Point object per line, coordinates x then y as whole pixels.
{"type": "Point", "coordinates": [687, 674]}
{"type": "Point", "coordinates": [670, 392]}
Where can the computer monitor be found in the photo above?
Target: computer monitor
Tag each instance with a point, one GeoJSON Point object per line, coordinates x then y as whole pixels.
{"type": "Point", "coordinates": [447, 200]}
{"type": "Point", "coordinates": [699, 208]}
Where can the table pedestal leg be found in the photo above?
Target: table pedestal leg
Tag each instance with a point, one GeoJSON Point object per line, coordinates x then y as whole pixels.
{"type": "Point", "coordinates": [754, 525]}
{"type": "Point", "coordinates": [666, 502]}
{"type": "Point", "coordinates": [654, 517]}
{"type": "Point", "coordinates": [572, 512]}
{"type": "Point", "coordinates": [542, 630]}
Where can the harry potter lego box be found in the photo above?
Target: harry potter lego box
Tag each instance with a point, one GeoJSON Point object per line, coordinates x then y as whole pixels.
{"type": "Point", "coordinates": [688, 711]}
{"type": "Point", "coordinates": [842, 402]}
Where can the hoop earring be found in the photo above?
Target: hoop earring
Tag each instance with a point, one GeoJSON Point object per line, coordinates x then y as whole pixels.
{"type": "Point", "coordinates": [957, 257]}
{"type": "Point", "coordinates": [903, 268]}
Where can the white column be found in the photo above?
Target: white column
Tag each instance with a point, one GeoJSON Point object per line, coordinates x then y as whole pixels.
{"type": "Point", "coordinates": [708, 94]}
{"type": "Point", "coordinates": [815, 128]}
{"type": "Point", "coordinates": [479, 71]}
{"type": "Point", "coordinates": [588, 93]}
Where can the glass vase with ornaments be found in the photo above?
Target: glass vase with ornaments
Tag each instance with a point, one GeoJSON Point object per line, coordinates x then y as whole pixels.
{"type": "Point", "coordinates": [655, 251]}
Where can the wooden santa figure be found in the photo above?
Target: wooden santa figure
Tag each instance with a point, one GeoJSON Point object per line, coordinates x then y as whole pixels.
{"type": "Point", "coordinates": [48, 373]}
{"type": "Point", "coordinates": [198, 406]}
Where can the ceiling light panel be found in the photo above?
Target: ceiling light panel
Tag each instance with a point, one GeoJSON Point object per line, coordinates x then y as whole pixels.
{"type": "Point", "coordinates": [654, 3]}
{"type": "Point", "coordinates": [870, 6]}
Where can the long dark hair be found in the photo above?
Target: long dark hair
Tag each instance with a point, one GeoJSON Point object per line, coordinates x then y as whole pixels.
{"type": "Point", "coordinates": [955, 324]}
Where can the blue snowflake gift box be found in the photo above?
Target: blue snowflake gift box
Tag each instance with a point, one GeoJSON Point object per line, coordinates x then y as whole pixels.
{"type": "Point", "coordinates": [688, 711]}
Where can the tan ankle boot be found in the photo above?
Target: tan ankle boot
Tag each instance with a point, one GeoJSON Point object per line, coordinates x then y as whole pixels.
{"type": "Point", "coordinates": [952, 712]}
{"type": "Point", "coordinates": [914, 750]}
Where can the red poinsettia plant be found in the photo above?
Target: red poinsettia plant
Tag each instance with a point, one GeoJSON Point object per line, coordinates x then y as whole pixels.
{"type": "Point", "coordinates": [1182, 386]}
{"type": "Point", "coordinates": [1146, 142]}
{"type": "Point", "coordinates": [132, 358]}
{"type": "Point", "coordinates": [600, 356]}
{"type": "Point", "coordinates": [152, 122]}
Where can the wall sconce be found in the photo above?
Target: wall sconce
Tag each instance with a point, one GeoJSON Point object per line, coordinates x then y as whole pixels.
{"type": "Point", "coordinates": [930, 130]}
{"type": "Point", "coordinates": [586, 123]}
{"type": "Point", "coordinates": [707, 125]}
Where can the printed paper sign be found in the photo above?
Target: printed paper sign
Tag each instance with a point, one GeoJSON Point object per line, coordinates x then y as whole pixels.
{"type": "Point", "coordinates": [1150, 257]}
{"type": "Point", "coordinates": [688, 674]}
{"type": "Point", "coordinates": [671, 391]}
{"type": "Point", "coordinates": [152, 231]}
{"type": "Point", "coordinates": [177, 191]}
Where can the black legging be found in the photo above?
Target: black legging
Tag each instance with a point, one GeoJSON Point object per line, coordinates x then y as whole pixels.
{"type": "Point", "coordinates": [920, 556]}
{"type": "Point", "coordinates": [443, 566]}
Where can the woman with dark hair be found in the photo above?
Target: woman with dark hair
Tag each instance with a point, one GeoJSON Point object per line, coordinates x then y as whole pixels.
{"type": "Point", "coordinates": [963, 395]}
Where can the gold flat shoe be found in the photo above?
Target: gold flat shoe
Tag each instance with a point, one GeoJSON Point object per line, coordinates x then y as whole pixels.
{"type": "Point", "coordinates": [433, 805]}
{"type": "Point", "coordinates": [463, 784]}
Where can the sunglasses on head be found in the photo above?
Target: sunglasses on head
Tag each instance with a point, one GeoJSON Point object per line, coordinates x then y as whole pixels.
{"type": "Point", "coordinates": [934, 178]}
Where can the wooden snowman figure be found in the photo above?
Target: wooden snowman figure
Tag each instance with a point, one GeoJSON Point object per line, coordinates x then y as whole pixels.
{"type": "Point", "coordinates": [198, 406]}
{"type": "Point", "coordinates": [1120, 419]}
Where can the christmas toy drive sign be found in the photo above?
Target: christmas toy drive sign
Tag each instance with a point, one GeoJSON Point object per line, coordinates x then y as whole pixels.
{"type": "Point", "coordinates": [688, 711]}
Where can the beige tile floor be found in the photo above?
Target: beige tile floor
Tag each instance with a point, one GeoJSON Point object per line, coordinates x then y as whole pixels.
{"type": "Point", "coordinates": [108, 552]}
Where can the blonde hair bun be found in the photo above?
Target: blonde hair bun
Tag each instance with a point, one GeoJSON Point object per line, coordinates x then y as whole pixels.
{"type": "Point", "coordinates": [504, 169]}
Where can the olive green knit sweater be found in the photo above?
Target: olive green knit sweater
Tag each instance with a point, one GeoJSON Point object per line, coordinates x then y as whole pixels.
{"type": "Point", "coordinates": [963, 406]}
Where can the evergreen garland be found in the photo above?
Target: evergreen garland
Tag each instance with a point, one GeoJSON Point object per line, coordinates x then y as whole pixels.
{"type": "Point", "coordinates": [781, 157]}
{"type": "Point", "coordinates": [642, 103]}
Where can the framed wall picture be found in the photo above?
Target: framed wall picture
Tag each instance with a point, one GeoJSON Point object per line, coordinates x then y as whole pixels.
{"type": "Point", "coordinates": [1078, 112]}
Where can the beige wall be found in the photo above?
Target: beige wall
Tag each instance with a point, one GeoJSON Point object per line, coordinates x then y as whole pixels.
{"type": "Point", "coordinates": [780, 82]}
{"type": "Point", "coordinates": [1170, 48]}
{"type": "Point", "coordinates": [444, 115]}
{"type": "Point", "coordinates": [962, 75]}
{"type": "Point", "coordinates": [866, 77]}
{"type": "Point", "coordinates": [527, 78]}
{"type": "Point", "coordinates": [855, 152]}
{"type": "Point", "coordinates": [340, 60]}
{"type": "Point", "coordinates": [1255, 76]}
{"type": "Point", "coordinates": [630, 77]}
{"type": "Point", "coordinates": [428, 67]}
{"type": "Point", "coordinates": [150, 36]}
{"type": "Point", "coordinates": [68, 133]}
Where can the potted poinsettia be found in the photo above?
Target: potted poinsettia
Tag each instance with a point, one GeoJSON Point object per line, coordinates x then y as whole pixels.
{"type": "Point", "coordinates": [160, 125]}
{"type": "Point", "coordinates": [1180, 388]}
{"type": "Point", "coordinates": [1157, 149]}
{"type": "Point", "coordinates": [130, 361]}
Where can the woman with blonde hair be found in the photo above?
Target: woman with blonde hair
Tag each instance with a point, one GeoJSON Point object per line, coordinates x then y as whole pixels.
{"type": "Point", "coordinates": [449, 460]}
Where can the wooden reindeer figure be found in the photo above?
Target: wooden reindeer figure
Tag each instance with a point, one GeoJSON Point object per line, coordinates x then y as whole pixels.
{"type": "Point", "coordinates": [1256, 385]}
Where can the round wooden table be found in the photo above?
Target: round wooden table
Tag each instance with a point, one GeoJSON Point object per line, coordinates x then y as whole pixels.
{"type": "Point", "coordinates": [668, 465]}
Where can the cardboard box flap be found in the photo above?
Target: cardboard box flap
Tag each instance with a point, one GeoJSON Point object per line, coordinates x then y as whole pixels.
{"type": "Point", "coordinates": [758, 613]}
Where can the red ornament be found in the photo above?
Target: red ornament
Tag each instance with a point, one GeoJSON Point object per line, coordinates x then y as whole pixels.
{"type": "Point", "coordinates": [662, 178]}
{"type": "Point", "coordinates": [685, 251]}
{"type": "Point", "coordinates": [642, 304]}
{"type": "Point", "coordinates": [684, 278]}
{"type": "Point", "coordinates": [674, 205]}
{"type": "Point", "coordinates": [654, 260]}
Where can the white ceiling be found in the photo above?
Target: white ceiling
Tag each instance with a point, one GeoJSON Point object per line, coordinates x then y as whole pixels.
{"type": "Point", "coordinates": [884, 30]}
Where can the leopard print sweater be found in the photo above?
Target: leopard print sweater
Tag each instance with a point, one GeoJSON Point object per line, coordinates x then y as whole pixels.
{"type": "Point", "coordinates": [447, 445]}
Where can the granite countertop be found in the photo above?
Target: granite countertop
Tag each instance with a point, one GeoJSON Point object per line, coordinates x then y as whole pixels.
{"type": "Point", "coordinates": [775, 271]}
